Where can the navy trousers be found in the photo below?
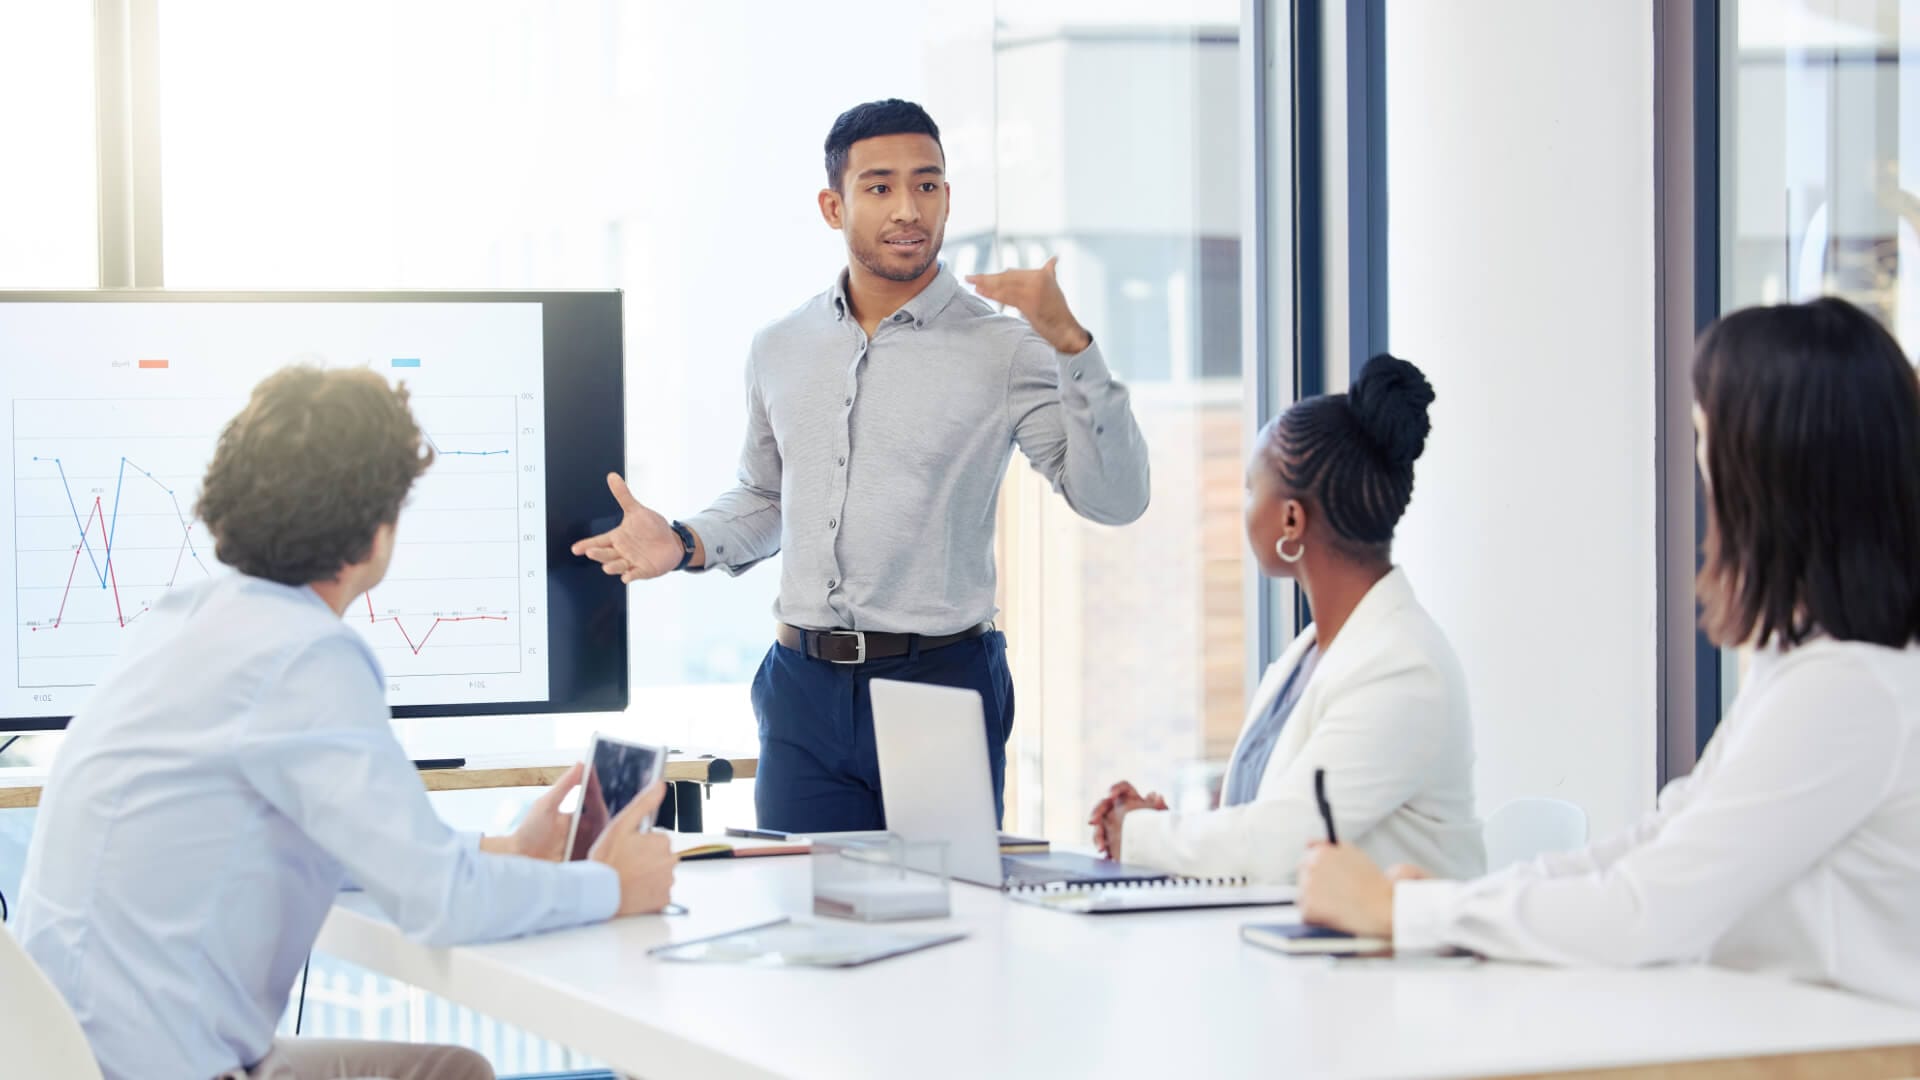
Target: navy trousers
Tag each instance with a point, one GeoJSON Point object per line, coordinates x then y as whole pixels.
{"type": "Point", "coordinates": [818, 768]}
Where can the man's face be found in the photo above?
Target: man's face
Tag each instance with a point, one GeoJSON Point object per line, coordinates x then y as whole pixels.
{"type": "Point", "coordinates": [893, 206]}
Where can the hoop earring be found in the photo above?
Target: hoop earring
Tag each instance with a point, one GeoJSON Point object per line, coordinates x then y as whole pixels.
{"type": "Point", "coordinates": [1280, 549]}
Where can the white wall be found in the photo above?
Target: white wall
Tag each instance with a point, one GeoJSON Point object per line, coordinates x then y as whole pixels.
{"type": "Point", "coordinates": [1521, 253]}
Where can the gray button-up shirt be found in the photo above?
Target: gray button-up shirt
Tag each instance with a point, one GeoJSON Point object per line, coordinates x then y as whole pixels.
{"type": "Point", "coordinates": [876, 465]}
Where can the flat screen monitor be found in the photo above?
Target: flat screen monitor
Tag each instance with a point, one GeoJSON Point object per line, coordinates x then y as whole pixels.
{"type": "Point", "coordinates": [110, 405]}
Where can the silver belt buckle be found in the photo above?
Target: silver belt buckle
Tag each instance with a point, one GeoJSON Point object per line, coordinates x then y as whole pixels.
{"type": "Point", "coordinates": [860, 645]}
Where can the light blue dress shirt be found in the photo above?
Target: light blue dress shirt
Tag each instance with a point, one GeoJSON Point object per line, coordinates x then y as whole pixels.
{"type": "Point", "coordinates": [231, 769]}
{"type": "Point", "coordinates": [1256, 746]}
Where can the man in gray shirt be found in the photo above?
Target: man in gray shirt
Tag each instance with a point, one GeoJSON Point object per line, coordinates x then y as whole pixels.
{"type": "Point", "coordinates": [880, 418]}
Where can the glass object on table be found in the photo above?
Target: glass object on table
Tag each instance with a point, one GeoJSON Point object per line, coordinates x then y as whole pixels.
{"type": "Point", "coordinates": [876, 877]}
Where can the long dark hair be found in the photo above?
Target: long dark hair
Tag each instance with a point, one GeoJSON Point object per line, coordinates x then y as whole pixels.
{"type": "Point", "coordinates": [1813, 477]}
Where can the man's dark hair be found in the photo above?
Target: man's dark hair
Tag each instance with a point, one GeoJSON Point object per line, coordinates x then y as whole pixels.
{"type": "Point", "coordinates": [1813, 477]}
{"type": "Point", "coordinates": [1351, 455]}
{"type": "Point", "coordinates": [313, 465]}
{"type": "Point", "coordinates": [870, 121]}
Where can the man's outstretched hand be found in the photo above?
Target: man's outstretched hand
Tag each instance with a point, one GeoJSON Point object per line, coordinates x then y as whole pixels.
{"type": "Point", "coordinates": [642, 546]}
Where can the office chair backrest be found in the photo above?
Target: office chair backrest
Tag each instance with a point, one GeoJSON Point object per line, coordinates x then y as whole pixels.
{"type": "Point", "coordinates": [1527, 828]}
{"type": "Point", "coordinates": [39, 1035]}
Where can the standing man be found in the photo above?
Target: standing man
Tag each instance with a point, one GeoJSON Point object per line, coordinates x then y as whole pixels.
{"type": "Point", "coordinates": [880, 418]}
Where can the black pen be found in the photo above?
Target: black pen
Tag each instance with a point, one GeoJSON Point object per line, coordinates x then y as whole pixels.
{"type": "Point", "coordinates": [1320, 796]}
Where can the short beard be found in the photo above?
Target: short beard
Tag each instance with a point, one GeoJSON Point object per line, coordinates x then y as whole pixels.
{"type": "Point", "coordinates": [876, 264]}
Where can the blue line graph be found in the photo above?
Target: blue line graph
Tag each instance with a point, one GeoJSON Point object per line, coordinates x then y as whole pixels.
{"type": "Point", "coordinates": [104, 573]}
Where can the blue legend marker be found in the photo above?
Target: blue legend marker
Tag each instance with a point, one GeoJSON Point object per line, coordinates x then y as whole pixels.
{"type": "Point", "coordinates": [406, 363]}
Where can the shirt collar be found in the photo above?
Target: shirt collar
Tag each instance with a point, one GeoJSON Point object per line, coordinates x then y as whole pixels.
{"type": "Point", "coordinates": [921, 310]}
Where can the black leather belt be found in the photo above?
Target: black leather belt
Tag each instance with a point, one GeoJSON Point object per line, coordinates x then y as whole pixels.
{"type": "Point", "coordinates": [860, 646]}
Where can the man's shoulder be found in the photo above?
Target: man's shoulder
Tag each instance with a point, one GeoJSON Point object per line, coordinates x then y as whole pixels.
{"type": "Point", "coordinates": [291, 627]}
{"type": "Point", "coordinates": [216, 652]}
{"type": "Point", "coordinates": [969, 313]}
{"type": "Point", "coordinates": [814, 315]}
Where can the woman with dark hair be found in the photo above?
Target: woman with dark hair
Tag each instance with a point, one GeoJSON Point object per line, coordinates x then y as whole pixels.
{"type": "Point", "coordinates": [1795, 844]}
{"type": "Point", "coordinates": [1371, 692]}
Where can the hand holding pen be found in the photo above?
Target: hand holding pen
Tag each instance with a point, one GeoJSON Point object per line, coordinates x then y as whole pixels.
{"type": "Point", "coordinates": [1326, 810]}
{"type": "Point", "coordinates": [1340, 886]}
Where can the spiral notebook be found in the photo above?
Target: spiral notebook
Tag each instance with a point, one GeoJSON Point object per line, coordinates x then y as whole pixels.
{"type": "Point", "coordinates": [1166, 894]}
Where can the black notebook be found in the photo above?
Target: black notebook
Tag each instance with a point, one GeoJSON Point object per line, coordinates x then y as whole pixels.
{"type": "Point", "coordinates": [1302, 939]}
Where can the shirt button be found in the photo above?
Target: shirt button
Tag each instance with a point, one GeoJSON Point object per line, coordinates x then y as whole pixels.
{"type": "Point", "coordinates": [721, 550]}
{"type": "Point", "coordinates": [843, 463]}
{"type": "Point", "coordinates": [1076, 374]}
{"type": "Point", "coordinates": [832, 584]}
{"type": "Point", "coordinates": [1098, 430]}
{"type": "Point", "coordinates": [833, 523]}
{"type": "Point", "coordinates": [902, 317]}
{"type": "Point", "coordinates": [849, 403]}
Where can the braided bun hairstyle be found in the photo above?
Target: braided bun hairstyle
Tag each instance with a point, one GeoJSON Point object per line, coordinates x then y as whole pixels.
{"type": "Point", "coordinates": [1352, 454]}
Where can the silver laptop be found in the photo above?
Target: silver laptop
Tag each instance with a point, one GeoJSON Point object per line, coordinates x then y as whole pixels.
{"type": "Point", "coordinates": [935, 785]}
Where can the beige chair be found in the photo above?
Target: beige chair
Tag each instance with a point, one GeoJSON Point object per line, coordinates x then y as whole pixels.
{"type": "Point", "coordinates": [37, 1031]}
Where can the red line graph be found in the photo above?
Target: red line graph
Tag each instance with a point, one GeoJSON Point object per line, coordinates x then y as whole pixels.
{"type": "Point", "coordinates": [437, 620]}
{"type": "Point", "coordinates": [106, 542]}
{"type": "Point", "coordinates": [107, 572]}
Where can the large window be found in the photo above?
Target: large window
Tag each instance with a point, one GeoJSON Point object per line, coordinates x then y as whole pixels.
{"type": "Point", "coordinates": [47, 205]}
{"type": "Point", "coordinates": [1121, 152]}
{"type": "Point", "coordinates": [1820, 166]}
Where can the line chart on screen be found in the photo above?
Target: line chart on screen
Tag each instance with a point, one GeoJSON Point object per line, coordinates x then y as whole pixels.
{"type": "Point", "coordinates": [103, 505]}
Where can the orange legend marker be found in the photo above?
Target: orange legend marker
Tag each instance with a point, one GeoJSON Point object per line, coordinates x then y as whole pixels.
{"type": "Point", "coordinates": [153, 363]}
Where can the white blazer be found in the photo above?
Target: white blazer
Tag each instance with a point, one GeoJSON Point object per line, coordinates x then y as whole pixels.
{"type": "Point", "coordinates": [1385, 713]}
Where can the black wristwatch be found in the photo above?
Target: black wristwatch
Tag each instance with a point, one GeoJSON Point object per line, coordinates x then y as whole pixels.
{"type": "Point", "coordinates": [686, 544]}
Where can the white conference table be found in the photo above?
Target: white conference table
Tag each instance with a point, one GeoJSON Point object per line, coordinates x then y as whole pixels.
{"type": "Point", "coordinates": [1041, 993]}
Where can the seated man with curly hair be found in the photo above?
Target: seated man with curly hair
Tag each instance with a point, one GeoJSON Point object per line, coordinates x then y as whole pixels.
{"type": "Point", "coordinates": [236, 764]}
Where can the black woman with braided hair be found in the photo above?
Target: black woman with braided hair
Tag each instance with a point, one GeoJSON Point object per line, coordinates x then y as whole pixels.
{"type": "Point", "coordinates": [1370, 695]}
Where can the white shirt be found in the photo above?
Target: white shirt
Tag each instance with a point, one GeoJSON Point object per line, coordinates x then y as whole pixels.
{"type": "Point", "coordinates": [1385, 713]}
{"type": "Point", "coordinates": [1794, 847]}
{"type": "Point", "coordinates": [235, 762]}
